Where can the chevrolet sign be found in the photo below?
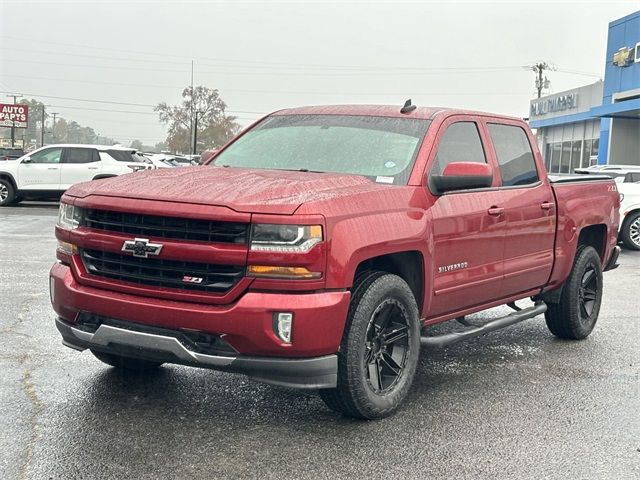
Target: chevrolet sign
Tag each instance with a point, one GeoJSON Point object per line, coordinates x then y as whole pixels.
{"type": "Point", "coordinates": [624, 57]}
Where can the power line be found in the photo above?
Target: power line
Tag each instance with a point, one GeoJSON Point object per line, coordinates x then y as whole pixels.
{"type": "Point", "coordinates": [115, 103]}
{"type": "Point", "coordinates": [86, 100]}
{"type": "Point", "coordinates": [233, 62]}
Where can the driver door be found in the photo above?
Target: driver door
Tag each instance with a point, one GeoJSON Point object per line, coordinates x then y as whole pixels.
{"type": "Point", "coordinates": [468, 228]}
{"type": "Point", "coordinates": [41, 170]}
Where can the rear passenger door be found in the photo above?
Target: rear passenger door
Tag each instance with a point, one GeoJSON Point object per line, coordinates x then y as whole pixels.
{"type": "Point", "coordinates": [530, 210]}
{"type": "Point", "coordinates": [79, 165]}
{"type": "Point", "coordinates": [468, 234]}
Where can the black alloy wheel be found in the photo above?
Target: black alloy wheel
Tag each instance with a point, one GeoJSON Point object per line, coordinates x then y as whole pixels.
{"type": "Point", "coordinates": [588, 293]}
{"type": "Point", "coordinates": [387, 345]}
{"type": "Point", "coordinates": [575, 314]}
{"type": "Point", "coordinates": [380, 347]}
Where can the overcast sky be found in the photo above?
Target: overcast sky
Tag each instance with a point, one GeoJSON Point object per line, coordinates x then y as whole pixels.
{"type": "Point", "coordinates": [268, 55]}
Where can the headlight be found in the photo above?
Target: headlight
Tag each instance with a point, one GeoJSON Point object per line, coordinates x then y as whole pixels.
{"type": "Point", "coordinates": [285, 238]}
{"type": "Point", "coordinates": [69, 216]}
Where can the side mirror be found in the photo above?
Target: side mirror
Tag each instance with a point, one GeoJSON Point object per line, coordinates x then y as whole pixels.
{"type": "Point", "coordinates": [26, 160]}
{"type": "Point", "coordinates": [462, 176]}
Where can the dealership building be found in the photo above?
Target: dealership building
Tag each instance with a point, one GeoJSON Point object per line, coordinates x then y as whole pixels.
{"type": "Point", "coordinates": [597, 123]}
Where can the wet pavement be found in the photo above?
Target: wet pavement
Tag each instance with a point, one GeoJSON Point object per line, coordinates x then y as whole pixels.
{"type": "Point", "coordinates": [517, 403]}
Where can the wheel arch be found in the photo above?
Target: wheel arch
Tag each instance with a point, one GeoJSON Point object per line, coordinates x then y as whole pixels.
{"type": "Point", "coordinates": [594, 236]}
{"type": "Point", "coordinates": [9, 177]}
{"type": "Point", "coordinates": [408, 265]}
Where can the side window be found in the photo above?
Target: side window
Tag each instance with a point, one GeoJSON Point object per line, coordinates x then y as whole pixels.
{"type": "Point", "coordinates": [515, 157]}
{"type": "Point", "coordinates": [48, 155]}
{"type": "Point", "coordinates": [81, 155]}
{"type": "Point", "coordinates": [460, 143]}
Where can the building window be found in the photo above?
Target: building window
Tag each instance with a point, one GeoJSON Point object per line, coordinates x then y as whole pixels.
{"type": "Point", "coordinates": [555, 157]}
{"type": "Point", "coordinates": [547, 157]}
{"type": "Point", "coordinates": [565, 161]}
{"type": "Point", "coordinates": [586, 153]}
{"type": "Point", "coordinates": [575, 154]}
{"type": "Point", "coordinates": [594, 150]}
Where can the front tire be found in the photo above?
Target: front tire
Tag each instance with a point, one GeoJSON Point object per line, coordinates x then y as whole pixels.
{"type": "Point", "coordinates": [379, 351]}
{"type": "Point", "coordinates": [630, 231]}
{"type": "Point", "coordinates": [575, 316]}
{"type": "Point", "coordinates": [125, 363]}
{"type": "Point", "coordinates": [7, 193]}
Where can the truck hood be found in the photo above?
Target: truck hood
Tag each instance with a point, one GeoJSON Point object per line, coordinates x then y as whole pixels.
{"type": "Point", "coordinates": [243, 190]}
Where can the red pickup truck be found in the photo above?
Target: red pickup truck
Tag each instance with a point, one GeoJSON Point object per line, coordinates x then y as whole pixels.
{"type": "Point", "coordinates": [316, 249]}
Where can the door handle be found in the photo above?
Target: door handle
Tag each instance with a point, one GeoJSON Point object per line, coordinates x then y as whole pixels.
{"type": "Point", "coordinates": [52, 168]}
{"type": "Point", "coordinates": [92, 168]}
{"type": "Point", "coordinates": [547, 205]}
{"type": "Point", "coordinates": [495, 211]}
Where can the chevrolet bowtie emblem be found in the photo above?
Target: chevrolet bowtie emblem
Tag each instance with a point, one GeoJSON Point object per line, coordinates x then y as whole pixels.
{"type": "Point", "coordinates": [140, 247]}
{"type": "Point", "coordinates": [623, 57]}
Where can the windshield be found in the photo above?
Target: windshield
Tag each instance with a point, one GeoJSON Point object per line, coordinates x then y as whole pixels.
{"type": "Point", "coordinates": [382, 148]}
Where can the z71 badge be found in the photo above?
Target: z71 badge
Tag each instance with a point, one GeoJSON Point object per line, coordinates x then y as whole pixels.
{"type": "Point", "coordinates": [452, 267]}
{"type": "Point", "coordinates": [187, 279]}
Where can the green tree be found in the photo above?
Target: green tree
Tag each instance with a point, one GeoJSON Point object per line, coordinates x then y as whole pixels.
{"type": "Point", "coordinates": [137, 144]}
{"type": "Point", "coordinates": [214, 126]}
{"type": "Point", "coordinates": [34, 123]}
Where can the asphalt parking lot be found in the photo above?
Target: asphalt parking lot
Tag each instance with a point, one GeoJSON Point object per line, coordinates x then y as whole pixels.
{"type": "Point", "coordinates": [517, 403]}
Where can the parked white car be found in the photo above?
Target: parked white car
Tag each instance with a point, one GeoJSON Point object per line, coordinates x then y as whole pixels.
{"type": "Point", "coordinates": [160, 160]}
{"type": "Point", "coordinates": [48, 171]}
{"type": "Point", "coordinates": [629, 214]}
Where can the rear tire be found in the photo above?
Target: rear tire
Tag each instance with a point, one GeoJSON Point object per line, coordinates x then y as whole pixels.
{"type": "Point", "coordinates": [7, 193]}
{"type": "Point", "coordinates": [379, 351]}
{"type": "Point", "coordinates": [125, 363]}
{"type": "Point", "coordinates": [575, 316]}
{"type": "Point", "coordinates": [630, 231]}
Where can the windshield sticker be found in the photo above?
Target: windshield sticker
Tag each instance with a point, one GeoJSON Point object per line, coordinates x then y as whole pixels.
{"type": "Point", "coordinates": [381, 179]}
{"type": "Point", "coordinates": [390, 164]}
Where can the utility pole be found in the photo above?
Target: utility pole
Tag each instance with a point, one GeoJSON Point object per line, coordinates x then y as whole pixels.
{"type": "Point", "coordinates": [191, 116]}
{"type": "Point", "coordinates": [195, 134]}
{"type": "Point", "coordinates": [42, 129]}
{"type": "Point", "coordinates": [13, 124]}
{"type": "Point", "coordinates": [539, 69]}
{"type": "Point", "coordinates": [53, 129]}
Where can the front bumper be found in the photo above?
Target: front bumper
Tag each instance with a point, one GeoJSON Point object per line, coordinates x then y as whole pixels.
{"type": "Point", "coordinates": [309, 373]}
{"type": "Point", "coordinates": [246, 325]}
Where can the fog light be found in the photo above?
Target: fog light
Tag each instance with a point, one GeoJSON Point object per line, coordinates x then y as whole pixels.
{"type": "Point", "coordinates": [282, 325]}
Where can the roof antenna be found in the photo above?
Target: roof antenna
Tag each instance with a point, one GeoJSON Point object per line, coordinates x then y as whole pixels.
{"type": "Point", "coordinates": [407, 107]}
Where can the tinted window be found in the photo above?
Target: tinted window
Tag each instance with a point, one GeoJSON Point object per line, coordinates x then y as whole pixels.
{"type": "Point", "coordinates": [517, 165]}
{"type": "Point", "coordinates": [125, 156]}
{"type": "Point", "coordinates": [81, 155]}
{"type": "Point", "coordinates": [383, 148]}
{"type": "Point", "coordinates": [48, 155]}
{"type": "Point", "coordinates": [460, 143]}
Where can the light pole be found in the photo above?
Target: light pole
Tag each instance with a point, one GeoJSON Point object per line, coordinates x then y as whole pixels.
{"type": "Point", "coordinates": [42, 129]}
{"type": "Point", "coordinates": [53, 129]}
{"type": "Point", "coordinates": [195, 133]}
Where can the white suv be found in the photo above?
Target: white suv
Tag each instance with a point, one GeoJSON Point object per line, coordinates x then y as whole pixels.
{"type": "Point", "coordinates": [49, 171]}
{"type": "Point", "coordinates": [629, 214]}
